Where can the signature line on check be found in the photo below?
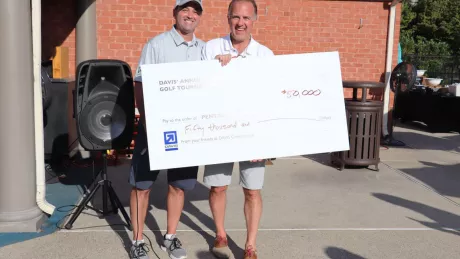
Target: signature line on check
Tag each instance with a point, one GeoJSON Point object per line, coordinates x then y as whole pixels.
{"type": "Point", "coordinates": [291, 119]}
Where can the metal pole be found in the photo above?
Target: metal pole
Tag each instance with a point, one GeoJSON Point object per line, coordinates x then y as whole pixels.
{"type": "Point", "coordinates": [86, 48]}
{"type": "Point", "coordinates": [18, 208]}
{"type": "Point", "coordinates": [86, 31]}
{"type": "Point", "coordinates": [388, 67]}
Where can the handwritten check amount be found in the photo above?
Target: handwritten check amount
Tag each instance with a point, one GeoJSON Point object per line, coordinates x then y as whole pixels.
{"type": "Point", "coordinates": [200, 113]}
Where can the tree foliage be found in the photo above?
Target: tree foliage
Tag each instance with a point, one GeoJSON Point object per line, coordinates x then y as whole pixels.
{"type": "Point", "coordinates": [431, 27]}
{"type": "Point", "coordinates": [430, 37]}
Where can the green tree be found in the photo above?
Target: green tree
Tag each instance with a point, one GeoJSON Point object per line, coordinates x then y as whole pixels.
{"type": "Point", "coordinates": [431, 27]}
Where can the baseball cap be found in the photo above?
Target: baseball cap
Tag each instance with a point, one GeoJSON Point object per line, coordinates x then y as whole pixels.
{"type": "Point", "coordinates": [182, 2]}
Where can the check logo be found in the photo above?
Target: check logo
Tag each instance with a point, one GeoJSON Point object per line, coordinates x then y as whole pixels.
{"type": "Point", "coordinates": [170, 139]}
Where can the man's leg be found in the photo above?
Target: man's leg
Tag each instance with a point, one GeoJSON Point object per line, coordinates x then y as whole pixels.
{"type": "Point", "coordinates": [252, 179]}
{"type": "Point", "coordinates": [141, 180]}
{"type": "Point", "coordinates": [218, 177]}
{"type": "Point", "coordinates": [253, 213]}
{"type": "Point", "coordinates": [179, 180]}
{"type": "Point", "coordinates": [139, 202]}
{"type": "Point", "coordinates": [175, 205]}
{"type": "Point", "coordinates": [218, 203]}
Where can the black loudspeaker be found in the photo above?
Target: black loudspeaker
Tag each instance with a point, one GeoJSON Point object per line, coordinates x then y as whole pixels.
{"type": "Point", "coordinates": [104, 106]}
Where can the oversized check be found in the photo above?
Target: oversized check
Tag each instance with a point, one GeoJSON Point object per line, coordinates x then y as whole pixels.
{"type": "Point", "coordinates": [200, 113]}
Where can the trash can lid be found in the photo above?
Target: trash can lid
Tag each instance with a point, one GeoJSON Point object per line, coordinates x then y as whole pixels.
{"type": "Point", "coordinates": [362, 84]}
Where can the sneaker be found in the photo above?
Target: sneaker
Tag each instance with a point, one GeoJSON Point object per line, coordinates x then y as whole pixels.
{"type": "Point", "coordinates": [221, 249]}
{"type": "Point", "coordinates": [250, 253]}
{"type": "Point", "coordinates": [139, 251]}
{"type": "Point", "coordinates": [174, 248]}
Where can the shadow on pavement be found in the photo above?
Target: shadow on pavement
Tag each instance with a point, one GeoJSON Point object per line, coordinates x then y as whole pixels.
{"type": "Point", "coordinates": [325, 159]}
{"type": "Point", "coordinates": [445, 179]}
{"type": "Point", "coordinates": [443, 220]}
{"type": "Point", "coordinates": [420, 126]}
{"type": "Point", "coordinates": [340, 253]}
{"type": "Point", "coordinates": [421, 138]}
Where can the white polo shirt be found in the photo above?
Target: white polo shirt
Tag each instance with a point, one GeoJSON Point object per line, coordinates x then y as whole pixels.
{"type": "Point", "coordinates": [221, 46]}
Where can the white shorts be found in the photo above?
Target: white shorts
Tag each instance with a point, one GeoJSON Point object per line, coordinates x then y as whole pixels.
{"type": "Point", "coordinates": [251, 174]}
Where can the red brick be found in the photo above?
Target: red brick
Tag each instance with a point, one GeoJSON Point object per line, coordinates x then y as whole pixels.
{"type": "Point", "coordinates": [294, 26]}
{"type": "Point", "coordinates": [116, 7]}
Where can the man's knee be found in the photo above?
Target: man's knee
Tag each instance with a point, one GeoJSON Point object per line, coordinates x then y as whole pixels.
{"type": "Point", "coordinates": [176, 191]}
{"type": "Point", "coordinates": [251, 194]}
{"type": "Point", "coordinates": [142, 193]}
{"type": "Point", "coordinates": [218, 189]}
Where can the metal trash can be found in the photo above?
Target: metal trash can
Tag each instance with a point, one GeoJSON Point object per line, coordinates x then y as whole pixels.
{"type": "Point", "coordinates": [364, 119]}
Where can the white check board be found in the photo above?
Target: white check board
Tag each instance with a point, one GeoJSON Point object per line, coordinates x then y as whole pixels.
{"type": "Point", "coordinates": [200, 113]}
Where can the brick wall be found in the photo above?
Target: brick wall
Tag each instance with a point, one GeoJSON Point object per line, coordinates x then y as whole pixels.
{"type": "Point", "coordinates": [285, 26]}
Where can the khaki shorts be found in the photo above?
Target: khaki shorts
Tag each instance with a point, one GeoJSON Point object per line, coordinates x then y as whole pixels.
{"type": "Point", "coordinates": [251, 174]}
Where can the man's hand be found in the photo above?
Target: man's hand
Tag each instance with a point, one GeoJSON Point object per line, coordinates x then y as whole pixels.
{"type": "Point", "coordinates": [224, 59]}
{"type": "Point", "coordinates": [256, 160]}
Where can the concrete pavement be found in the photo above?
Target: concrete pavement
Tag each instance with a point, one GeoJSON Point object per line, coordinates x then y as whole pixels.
{"type": "Point", "coordinates": [408, 209]}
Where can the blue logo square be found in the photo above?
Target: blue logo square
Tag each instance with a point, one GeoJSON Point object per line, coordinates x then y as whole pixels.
{"type": "Point", "coordinates": [170, 139]}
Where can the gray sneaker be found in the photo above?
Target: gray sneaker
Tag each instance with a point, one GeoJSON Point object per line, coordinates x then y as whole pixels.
{"type": "Point", "coordinates": [139, 251]}
{"type": "Point", "coordinates": [174, 248]}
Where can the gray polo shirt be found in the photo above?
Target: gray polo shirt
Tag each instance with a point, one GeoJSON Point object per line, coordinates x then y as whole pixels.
{"type": "Point", "coordinates": [169, 47]}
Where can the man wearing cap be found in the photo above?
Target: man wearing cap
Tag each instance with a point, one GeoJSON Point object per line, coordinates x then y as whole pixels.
{"type": "Point", "coordinates": [238, 44]}
{"type": "Point", "coordinates": [176, 45]}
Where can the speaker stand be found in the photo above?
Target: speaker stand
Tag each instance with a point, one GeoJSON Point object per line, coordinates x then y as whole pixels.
{"type": "Point", "coordinates": [107, 190]}
{"type": "Point", "coordinates": [388, 140]}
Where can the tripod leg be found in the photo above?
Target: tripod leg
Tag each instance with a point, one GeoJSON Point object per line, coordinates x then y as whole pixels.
{"type": "Point", "coordinates": [112, 199]}
{"type": "Point", "coordinates": [105, 209]}
{"type": "Point", "coordinates": [120, 206]}
{"type": "Point", "coordinates": [82, 205]}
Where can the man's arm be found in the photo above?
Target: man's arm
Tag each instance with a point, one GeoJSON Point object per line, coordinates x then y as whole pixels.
{"type": "Point", "coordinates": [206, 54]}
{"type": "Point", "coordinates": [139, 96]}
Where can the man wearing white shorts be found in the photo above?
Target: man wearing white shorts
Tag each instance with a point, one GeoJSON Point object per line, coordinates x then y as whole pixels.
{"type": "Point", "coordinates": [238, 44]}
